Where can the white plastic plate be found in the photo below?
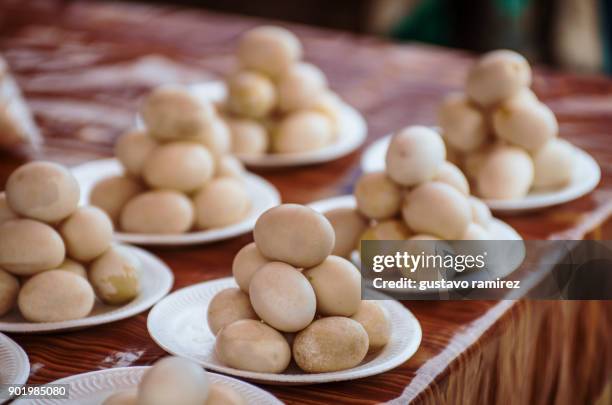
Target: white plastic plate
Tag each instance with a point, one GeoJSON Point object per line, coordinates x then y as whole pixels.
{"type": "Point", "coordinates": [156, 281]}
{"type": "Point", "coordinates": [585, 177]}
{"type": "Point", "coordinates": [263, 196]}
{"type": "Point", "coordinates": [15, 363]}
{"type": "Point", "coordinates": [178, 325]}
{"type": "Point", "coordinates": [93, 388]}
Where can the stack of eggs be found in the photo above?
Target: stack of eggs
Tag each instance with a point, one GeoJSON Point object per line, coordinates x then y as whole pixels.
{"type": "Point", "coordinates": [419, 196]}
{"type": "Point", "coordinates": [61, 252]}
{"type": "Point", "coordinates": [501, 135]}
{"type": "Point", "coordinates": [178, 174]}
{"type": "Point", "coordinates": [295, 300]}
{"type": "Point", "coordinates": [276, 102]}
{"type": "Point", "coordinates": [172, 378]}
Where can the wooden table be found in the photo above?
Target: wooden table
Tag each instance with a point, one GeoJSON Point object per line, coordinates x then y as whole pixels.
{"type": "Point", "coordinates": [83, 65]}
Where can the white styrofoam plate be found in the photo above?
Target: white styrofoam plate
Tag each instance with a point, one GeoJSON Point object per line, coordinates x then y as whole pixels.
{"type": "Point", "coordinates": [263, 197]}
{"type": "Point", "coordinates": [508, 257]}
{"type": "Point", "coordinates": [156, 281]}
{"type": "Point", "coordinates": [178, 325]}
{"type": "Point", "coordinates": [94, 387]}
{"type": "Point", "coordinates": [585, 177]}
{"type": "Point", "coordinates": [14, 361]}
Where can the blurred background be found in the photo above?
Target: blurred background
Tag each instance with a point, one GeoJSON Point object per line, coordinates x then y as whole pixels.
{"type": "Point", "coordinates": [571, 34]}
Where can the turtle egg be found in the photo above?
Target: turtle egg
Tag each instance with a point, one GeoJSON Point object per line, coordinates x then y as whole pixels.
{"type": "Point", "coordinates": [414, 155]}
{"type": "Point", "coordinates": [44, 191]}
{"type": "Point", "coordinates": [507, 173]}
{"type": "Point", "coordinates": [269, 49]}
{"type": "Point", "coordinates": [497, 76]}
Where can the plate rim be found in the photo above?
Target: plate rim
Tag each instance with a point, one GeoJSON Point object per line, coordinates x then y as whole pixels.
{"type": "Point", "coordinates": [166, 276]}
{"type": "Point", "coordinates": [542, 200]}
{"type": "Point", "coordinates": [189, 238]}
{"type": "Point", "coordinates": [141, 369]}
{"type": "Point", "coordinates": [405, 354]}
{"type": "Point", "coordinates": [22, 358]}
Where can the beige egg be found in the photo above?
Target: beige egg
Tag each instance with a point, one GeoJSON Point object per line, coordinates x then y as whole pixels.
{"type": "Point", "coordinates": [173, 378]}
{"type": "Point", "coordinates": [414, 155]}
{"type": "Point", "coordinates": [9, 289]}
{"type": "Point", "coordinates": [337, 286]}
{"type": "Point", "coordinates": [299, 86]}
{"type": "Point", "coordinates": [303, 131]}
{"type": "Point", "coordinates": [438, 209]}
{"type": "Point", "coordinates": [114, 277]}
{"type": "Point", "coordinates": [181, 166]}
{"type": "Point", "coordinates": [172, 113]}
{"type": "Point", "coordinates": [475, 231]}
{"type": "Point", "coordinates": [230, 166]}
{"type": "Point", "coordinates": [222, 202]}
{"type": "Point", "coordinates": [378, 197]}
{"type": "Point", "coordinates": [132, 149]}
{"type": "Point", "coordinates": [249, 137]}
{"type": "Point", "coordinates": [269, 49]}
{"type": "Point", "coordinates": [527, 124]}
{"type": "Point", "coordinates": [376, 321]}
{"type": "Point", "coordinates": [391, 229]}
{"type": "Point", "coordinates": [158, 212]}
{"type": "Point", "coordinates": [28, 247]}
{"type": "Point", "coordinates": [280, 230]}
{"type": "Point", "coordinates": [251, 94]}
{"type": "Point", "coordinates": [55, 296]}
{"type": "Point", "coordinates": [220, 394]}
{"type": "Point", "coordinates": [71, 266]}
{"type": "Point", "coordinates": [87, 233]}
{"type": "Point", "coordinates": [282, 297]}
{"type": "Point", "coordinates": [330, 344]}
{"type": "Point", "coordinates": [553, 164]}
{"type": "Point", "coordinates": [246, 262]}
{"type": "Point", "coordinates": [463, 125]}
{"type": "Point", "coordinates": [252, 346]}
{"type": "Point", "coordinates": [330, 104]}
{"type": "Point", "coordinates": [44, 191]}
{"type": "Point", "coordinates": [6, 212]}
{"type": "Point", "coordinates": [112, 193]}
{"type": "Point", "coordinates": [127, 397]}
{"type": "Point", "coordinates": [473, 161]}
{"type": "Point", "coordinates": [348, 224]}
{"type": "Point", "coordinates": [453, 176]}
{"type": "Point", "coordinates": [216, 137]}
{"type": "Point", "coordinates": [497, 76]}
{"type": "Point", "coordinates": [228, 306]}
{"type": "Point", "coordinates": [481, 214]}
{"type": "Point", "coordinates": [507, 173]}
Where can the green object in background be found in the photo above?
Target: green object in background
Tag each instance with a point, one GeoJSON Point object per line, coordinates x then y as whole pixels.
{"type": "Point", "coordinates": [471, 23]}
{"type": "Point", "coordinates": [512, 8]}
{"type": "Point", "coordinates": [429, 22]}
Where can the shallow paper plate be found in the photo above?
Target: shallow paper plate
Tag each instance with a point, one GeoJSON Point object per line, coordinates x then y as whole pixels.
{"type": "Point", "coordinates": [15, 363]}
{"type": "Point", "coordinates": [508, 257]}
{"type": "Point", "coordinates": [585, 177]}
{"type": "Point", "coordinates": [178, 325]}
{"type": "Point", "coordinates": [156, 281]}
{"type": "Point", "coordinates": [263, 196]}
{"type": "Point", "coordinates": [93, 388]}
